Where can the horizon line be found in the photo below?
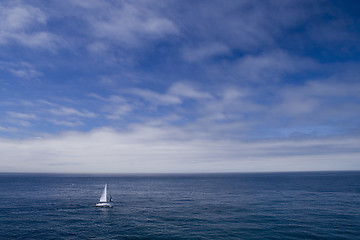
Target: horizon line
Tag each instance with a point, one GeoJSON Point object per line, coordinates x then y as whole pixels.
{"type": "Point", "coordinates": [179, 173]}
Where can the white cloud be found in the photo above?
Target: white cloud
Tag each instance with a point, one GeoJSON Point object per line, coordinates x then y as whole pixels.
{"type": "Point", "coordinates": [156, 149]}
{"type": "Point", "coordinates": [21, 115]}
{"type": "Point", "coordinates": [156, 98]}
{"type": "Point", "coordinates": [25, 24]}
{"type": "Point", "coordinates": [119, 111]}
{"type": "Point", "coordinates": [129, 23]}
{"type": "Point", "coordinates": [20, 69]}
{"type": "Point", "coordinates": [175, 95]}
{"type": "Point", "coordinates": [115, 107]}
{"type": "Point", "coordinates": [233, 93]}
{"type": "Point", "coordinates": [65, 111]}
{"type": "Point", "coordinates": [67, 123]}
{"type": "Point", "coordinates": [20, 119]}
{"type": "Point", "coordinates": [242, 113]}
{"type": "Point", "coordinates": [20, 17]}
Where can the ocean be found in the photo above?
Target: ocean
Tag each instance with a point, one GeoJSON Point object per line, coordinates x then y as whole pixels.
{"type": "Point", "coordinates": [303, 205]}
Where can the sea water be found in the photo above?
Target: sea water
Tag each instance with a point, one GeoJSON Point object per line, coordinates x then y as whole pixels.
{"type": "Point", "coordinates": [307, 205]}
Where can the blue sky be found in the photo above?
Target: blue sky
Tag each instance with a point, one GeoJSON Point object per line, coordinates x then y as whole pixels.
{"type": "Point", "coordinates": [179, 86]}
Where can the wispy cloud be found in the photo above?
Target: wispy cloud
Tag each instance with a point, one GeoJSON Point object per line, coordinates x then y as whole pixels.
{"type": "Point", "coordinates": [118, 112]}
{"type": "Point", "coordinates": [175, 95]}
{"type": "Point", "coordinates": [318, 99]}
{"type": "Point", "coordinates": [21, 115]}
{"type": "Point", "coordinates": [205, 51]}
{"type": "Point", "coordinates": [128, 23]}
{"type": "Point", "coordinates": [67, 123]}
{"type": "Point", "coordinates": [124, 22]}
{"type": "Point", "coordinates": [245, 25]}
{"type": "Point", "coordinates": [20, 119]}
{"type": "Point", "coordinates": [26, 25]}
{"type": "Point", "coordinates": [20, 70]}
{"type": "Point", "coordinates": [115, 107]}
{"type": "Point", "coordinates": [7, 129]}
{"type": "Point", "coordinates": [19, 122]}
{"type": "Point", "coordinates": [65, 111]}
{"type": "Point", "coordinates": [271, 66]}
{"type": "Point", "coordinates": [156, 98]}
{"type": "Point", "coordinates": [186, 91]}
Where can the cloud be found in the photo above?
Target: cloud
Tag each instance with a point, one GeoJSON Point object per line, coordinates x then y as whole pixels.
{"type": "Point", "coordinates": [232, 104]}
{"type": "Point", "coordinates": [21, 115]}
{"type": "Point", "coordinates": [90, 4]}
{"type": "Point", "coordinates": [154, 149]}
{"type": "Point", "coordinates": [202, 30]}
{"type": "Point", "coordinates": [97, 47]}
{"type": "Point", "coordinates": [323, 107]}
{"type": "Point", "coordinates": [25, 25]}
{"type": "Point", "coordinates": [65, 111]}
{"type": "Point", "coordinates": [205, 51]}
{"type": "Point", "coordinates": [319, 107]}
{"type": "Point", "coordinates": [20, 119]}
{"type": "Point", "coordinates": [128, 23]}
{"type": "Point", "coordinates": [7, 129]}
{"type": "Point", "coordinates": [271, 66]}
{"type": "Point", "coordinates": [21, 17]}
{"type": "Point", "coordinates": [194, 85]}
{"type": "Point", "coordinates": [67, 123]}
{"type": "Point", "coordinates": [335, 30]}
{"type": "Point", "coordinates": [156, 98]}
{"type": "Point", "coordinates": [20, 69]}
{"type": "Point", "coordinates": [324, 100]}
{"type": "Point", "coordinates": [99, 25]}
{"type": "Point", "coordinates": [115, 107]}
{"type": "Point", "coordinates": [186, 91]}
{"type": "Point", "coordinates": [19, 122]}
{"type": "Point", "coordinates": [120, 111]}
{"type": "Point", "coordinates": [175, 95]}
{"type": "Point", "coordinates": [243, 25]}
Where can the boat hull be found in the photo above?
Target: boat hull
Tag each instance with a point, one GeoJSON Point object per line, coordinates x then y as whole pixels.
{"type": "Point", "coordinates": [104, 204]}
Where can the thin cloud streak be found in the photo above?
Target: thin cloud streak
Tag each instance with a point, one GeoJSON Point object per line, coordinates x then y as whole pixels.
{"type": "Point", "coordinates": [71, 111]}
{"type": "Point", "coordinates": [21, 115]}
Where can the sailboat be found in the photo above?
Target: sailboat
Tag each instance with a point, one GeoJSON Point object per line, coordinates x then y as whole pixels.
{"type": "Point", "coordinates": [105, 200]}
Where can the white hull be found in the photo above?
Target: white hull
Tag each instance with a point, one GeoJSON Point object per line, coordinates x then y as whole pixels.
{"type": "Point", "coordinates": [103, 204]}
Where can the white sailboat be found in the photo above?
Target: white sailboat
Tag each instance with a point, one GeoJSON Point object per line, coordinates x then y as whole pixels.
{"type": "Point", "coordinates": [105, 201]}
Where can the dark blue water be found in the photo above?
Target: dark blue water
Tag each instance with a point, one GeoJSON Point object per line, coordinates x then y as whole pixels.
{"type": "Point", "coordinates": [318, 205]}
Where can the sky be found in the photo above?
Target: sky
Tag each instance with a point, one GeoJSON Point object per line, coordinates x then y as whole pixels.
{"type": "Point", "coordinates": [179, 86]}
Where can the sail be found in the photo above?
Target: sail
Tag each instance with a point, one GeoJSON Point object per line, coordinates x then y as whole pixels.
{"type": "Point", "coordinates": [103, 197]}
